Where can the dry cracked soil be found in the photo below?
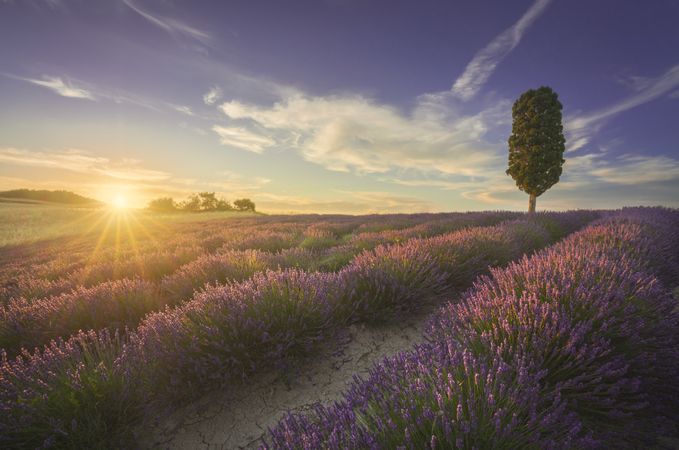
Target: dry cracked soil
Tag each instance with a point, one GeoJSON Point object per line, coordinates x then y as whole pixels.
{"type": "Point", "coordinates": [238, 418]}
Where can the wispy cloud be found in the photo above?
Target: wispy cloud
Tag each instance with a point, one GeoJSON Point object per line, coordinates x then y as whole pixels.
{"type": "Point", "coordinates": [242, 138]}
{"type": "Point", "coordinates": [52, 5]}
{"type": "Point", "coordinates": [649, 90]}
{"type": "Point", "coordinates": [232, 181]}
{"type": "Point", "coordinates": [353, 133]}
{"type": "Point", "coordinates": [428, 182]}
{"type": "Point", "coordinates": [211, 96]}
{"type": "Point", "coordinates": [176, 28]}
{"type": "Point", "coordinates": [484, 62]}
{"type": "Point", "coordinates": [349, 202]}
{"type": "Point", "coordinates": [183, 109]}
{"type": "Point", "coordinates": [381, 201]}
{"type": "Point", "coordinates": [58, 86]}
{"type": "Point", "coordinates": [82, 162]}
{"type": "Point", "coordinates": [636, 169]}
{"type": "Point", "coordinates": [193, 128]}
{"type": "Point", "coordinates": [580, 128]}
{"type": "Point", "coordinates": [74, 88]}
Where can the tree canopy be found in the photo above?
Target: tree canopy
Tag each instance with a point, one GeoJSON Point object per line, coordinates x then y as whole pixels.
{"type": "Point", "coordinates": [164, 204]}
{"type": "Point", "coordinates": [200, 202]}
{"type": "Point", "coordinates": [244, 204]}
{"type": "Point", "coordinates": [537, 144]}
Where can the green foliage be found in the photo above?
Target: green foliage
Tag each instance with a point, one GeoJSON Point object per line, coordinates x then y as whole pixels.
{"type": "Point", "coordinates": [244, 204]}
{"type": "Point", "coordinates": [164, 204]}
{"type": "Point", "coordinates": [536, 144]}
{"type": "Point", "coordinates": [200, 202]}
{"type": "Point", "coordinates": [191, 204]}
{"type": "Point", "coordinates": [336, 260]}
{"type": "Point", "coordinates": [223, 205]}
{"type": "Point", "coordinates": [318, 242]}
{"type": "Point", "coordinates": [208, 201]}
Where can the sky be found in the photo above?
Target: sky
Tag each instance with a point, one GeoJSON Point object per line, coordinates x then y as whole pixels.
{"type": "Point", "coordinates": [336, 106]}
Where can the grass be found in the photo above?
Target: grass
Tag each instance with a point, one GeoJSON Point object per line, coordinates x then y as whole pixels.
{"type": "Point", "coordinates": [25, 223]}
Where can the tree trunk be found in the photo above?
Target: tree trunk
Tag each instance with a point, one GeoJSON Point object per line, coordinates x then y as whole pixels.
{"type": "Point", "coordinates": [532, 198]}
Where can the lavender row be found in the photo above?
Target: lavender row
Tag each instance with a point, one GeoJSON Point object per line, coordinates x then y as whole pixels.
{"type": "Point", "coordinates": [220, 336]}
{"type": "Point", "coordinates": [575, 347]}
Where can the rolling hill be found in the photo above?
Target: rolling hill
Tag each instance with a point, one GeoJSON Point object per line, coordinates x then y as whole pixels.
{"type": "Point", "coordinates": [33, 196]}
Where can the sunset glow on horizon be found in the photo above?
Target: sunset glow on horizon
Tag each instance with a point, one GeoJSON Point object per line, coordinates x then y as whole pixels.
{"type": "Point", "coordinates": [120, 202]}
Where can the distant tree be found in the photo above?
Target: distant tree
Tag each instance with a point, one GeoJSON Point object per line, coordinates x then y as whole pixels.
{"type": "Point", "coordinates": [163, 204]}
{"type": "Point", "coordinates": [536, 144]}
{"type": "Point", "coordinates": [208, 201]}
{"type": "Point", "coordinates": [191, 204]}
{"type": "Point", "coordinates": [223, 205]}
{"type": "Point", "coordinates": [244, 204]}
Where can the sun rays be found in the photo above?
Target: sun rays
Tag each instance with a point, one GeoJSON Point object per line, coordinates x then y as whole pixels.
{"type": "Point", "coordinates": [124, 229]}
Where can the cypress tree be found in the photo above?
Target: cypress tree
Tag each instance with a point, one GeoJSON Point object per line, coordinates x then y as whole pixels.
{"type": "Point", "coordinates": [536, 144]}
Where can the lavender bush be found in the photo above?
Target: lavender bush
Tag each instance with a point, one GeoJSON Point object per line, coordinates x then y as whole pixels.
{"type": "Point", "coordinates": [71, 394]}
{"type": "Point", "coordinates": [233, 265]}
{"type": "Point", "coordinates": [228, 331]}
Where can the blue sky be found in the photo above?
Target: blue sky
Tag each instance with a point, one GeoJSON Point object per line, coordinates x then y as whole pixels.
{"type": "Point", "coordinates": [341, 106]}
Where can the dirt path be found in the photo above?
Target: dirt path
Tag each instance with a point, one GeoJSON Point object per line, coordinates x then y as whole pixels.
{"type": "Point", "coordinates": [240, 417]}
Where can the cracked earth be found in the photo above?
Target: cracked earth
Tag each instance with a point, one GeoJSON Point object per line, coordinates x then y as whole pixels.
{"type": "Point", "coordinates": [240, 417]}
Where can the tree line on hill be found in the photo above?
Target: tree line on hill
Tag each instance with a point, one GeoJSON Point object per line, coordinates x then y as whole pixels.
{"type": "Point", "coordinates": [42, 195]}
{"type": "Point", "coordinates": [201, 202]}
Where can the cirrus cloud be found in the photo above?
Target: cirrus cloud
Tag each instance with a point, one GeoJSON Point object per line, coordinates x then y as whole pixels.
{"type": "Point", "coordinates": [242, 138]}
{"type": "Point", "coordinates": [581, 127]}
{"type": "Point", "coordinates": [484, 63]}
{"type": "Point", "coordinates": [172, 26]}
{"type": "Point", "coordinates": [59, 86]}
{"type": "Point", "coordinates": [82, 162]}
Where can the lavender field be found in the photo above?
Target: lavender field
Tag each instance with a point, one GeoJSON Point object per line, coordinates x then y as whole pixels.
{"type": "Point", "coordinates": [240, 225]}
{"type": "Point", "coordinates": [548, 330]}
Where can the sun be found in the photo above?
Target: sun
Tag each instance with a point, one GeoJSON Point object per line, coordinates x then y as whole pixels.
{"type": "Point", "coordinates": [119, 202]}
